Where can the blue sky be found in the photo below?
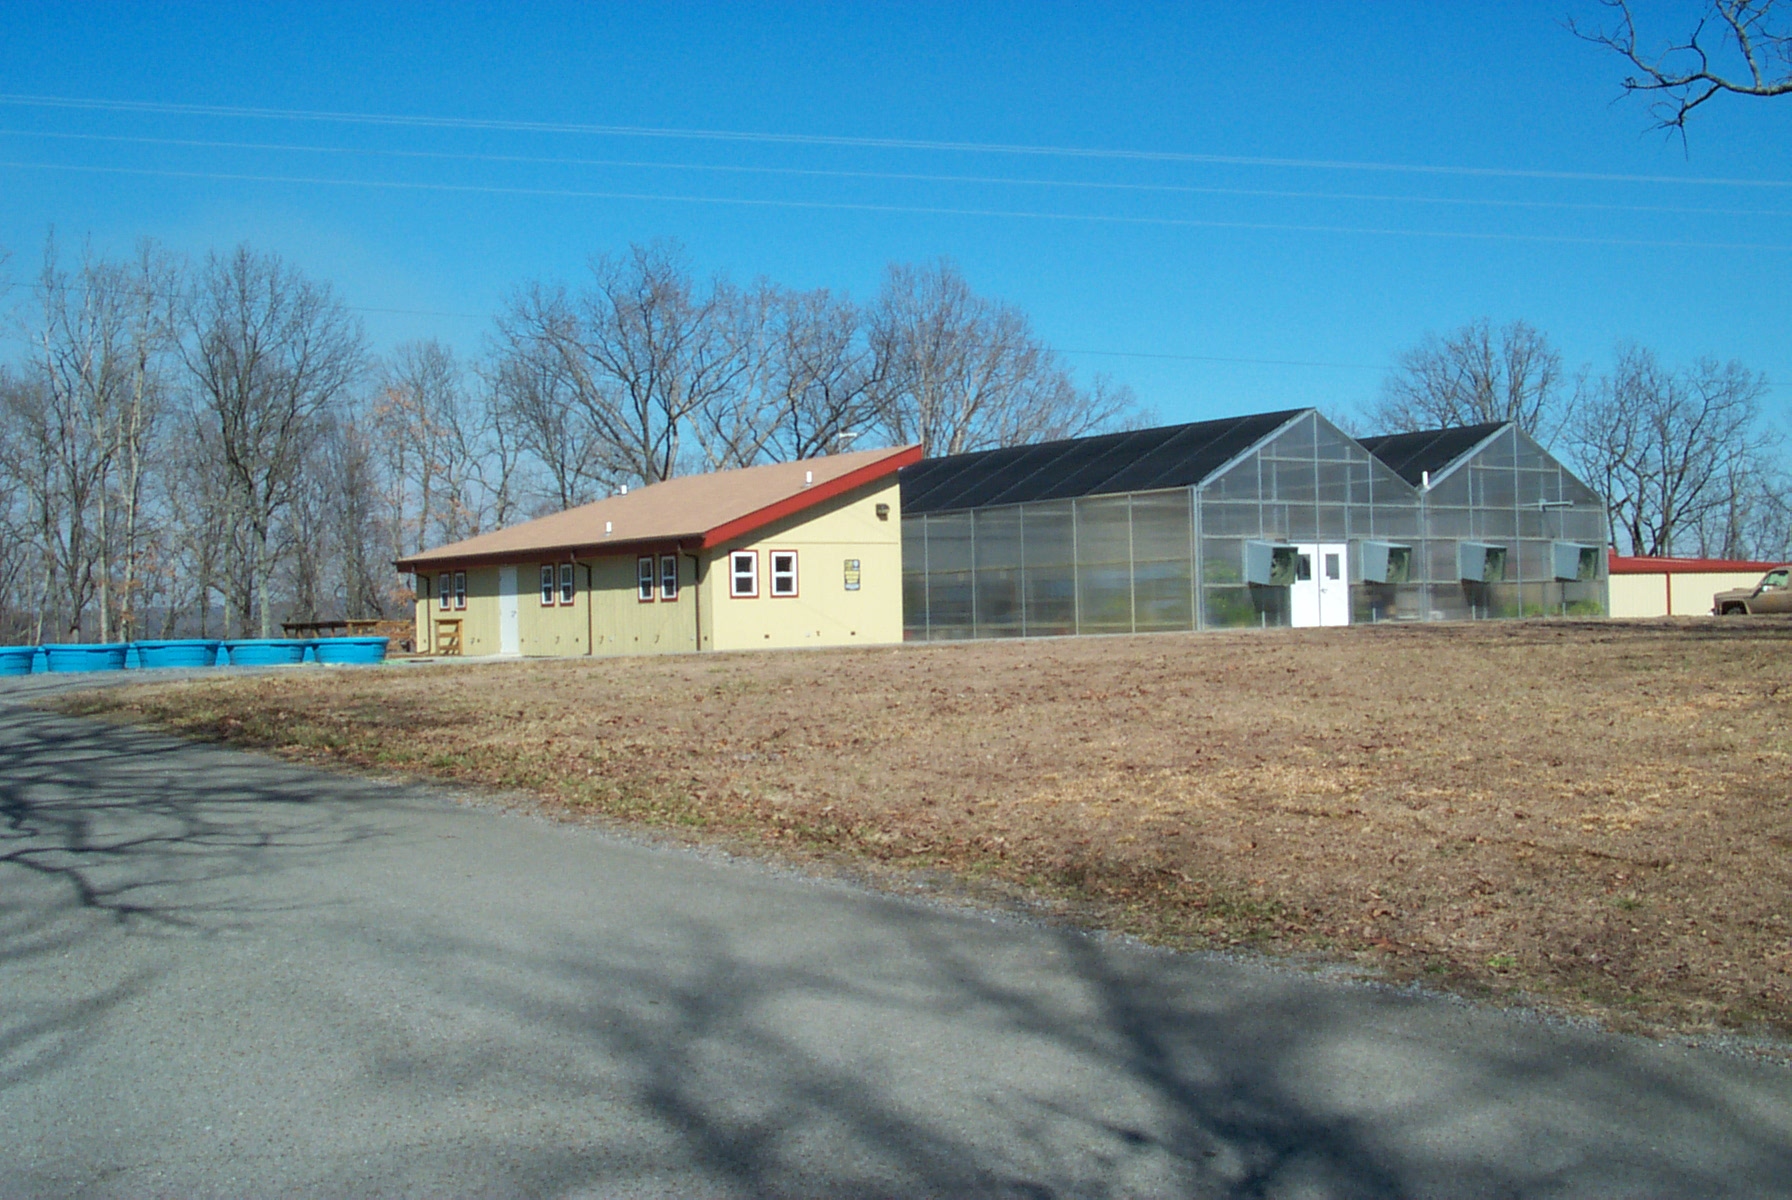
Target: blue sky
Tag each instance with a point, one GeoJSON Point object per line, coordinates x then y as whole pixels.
{"type": "Point", "coordinates": [1482, 122]}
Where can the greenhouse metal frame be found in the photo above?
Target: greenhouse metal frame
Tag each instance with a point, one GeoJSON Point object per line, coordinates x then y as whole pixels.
{"type": "Point", "coordinates": [1273, 519]}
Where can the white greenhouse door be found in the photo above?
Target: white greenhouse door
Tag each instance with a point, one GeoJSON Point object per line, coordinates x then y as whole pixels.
{"type": "Point", "coordinates": [510, 641]}
{"type": "Point", "coordinates": [1320, 593]}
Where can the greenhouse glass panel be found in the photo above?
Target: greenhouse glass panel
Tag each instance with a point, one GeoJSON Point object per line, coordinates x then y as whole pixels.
{"type": "Point", "coordinates": [1160, 526]}
{"type": "Point", "coordinates": [1163, 595]}
{"type": "Point", "coordinates": [1104, 564]}
{"type": "Point", "coordinates": [914, 577]}
{"type": "Point", "coordinates": [1494, 487]}
{"type": "Point", "coordinates": [997, 540]}
{"type": "Point", "coordinates": [950, 604]}
{"type": "Point", "coordinates": [1451, 490]}
{"type": "Point", "coordinates": [1226, 519]}
{"type": "Point", "coordinates": [1048, 536]}
{"type": "Point", "coordinates": [999, 602]}
{"type": "Point", "coordinates": [1333, 486]}
{"type": "Point", "coordinates": [949, 542]}
{"type": "Point", "coordinates": [1050, 600]}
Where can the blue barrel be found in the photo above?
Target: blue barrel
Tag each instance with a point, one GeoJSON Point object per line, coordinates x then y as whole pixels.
{"type": "Point", "coordinates": [16, 660]}
{"type": "Point", "coordinates": [98, 656]}
{"type": "Point", "coordinates": [180, 652]}
{"type": "Point", "coordinates": [356, 650]}
{"type": "Point", "coordinates": [265, 652]}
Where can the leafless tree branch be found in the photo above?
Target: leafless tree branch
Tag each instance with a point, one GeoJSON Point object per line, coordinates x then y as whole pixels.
{"type": "Point", "coordinates": [1749, 35]}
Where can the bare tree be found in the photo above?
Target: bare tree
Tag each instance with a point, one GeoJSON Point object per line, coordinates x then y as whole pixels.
{"type": "Point", "coordinates": [1670, 450]}
{"type": "Point", "coordinates": [739, 406]}
{"type": "Point", "coordinates": [1475, 376]}
{"type": "Point", "coordinates": [957, 372]}
{"type": "Point", "coordinates": [269, 353]}
{"type": "Point", "coordinates": [1740, 47]}
{"type": "Point", "coordinates": [532, 395]}
{"type": "Point", "coordinates": [823, 375]}
{"type": "Point", "coordinates": [653, 349]}
{"type": "Point", "coordinates": [152, 287]}
{"type": "Point", "coordinates": [436, 433]}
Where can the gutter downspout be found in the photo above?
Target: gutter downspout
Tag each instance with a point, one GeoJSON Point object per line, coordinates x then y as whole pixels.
{"type": "Point", "coordinates": [697, 596]}
{"type": "Point", "coordinates": [590, 643]}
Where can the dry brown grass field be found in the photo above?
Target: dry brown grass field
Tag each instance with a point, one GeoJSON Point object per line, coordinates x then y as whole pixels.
{"type": "Point", "coordinates": [1592, 816]}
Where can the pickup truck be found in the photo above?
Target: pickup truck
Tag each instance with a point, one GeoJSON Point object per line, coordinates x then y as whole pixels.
{"type": "Point", "coordinates": [1772, 595]}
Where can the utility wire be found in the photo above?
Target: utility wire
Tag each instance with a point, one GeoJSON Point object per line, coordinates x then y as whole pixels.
{"type": "Point", "coordinates": [923, 210]}
{"type": "Point", "coordinates": [804, 139]}
{"type": "Point", "coordinates": [891, 176]}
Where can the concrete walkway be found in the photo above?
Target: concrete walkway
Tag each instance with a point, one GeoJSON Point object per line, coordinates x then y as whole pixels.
{"type": "Point", "coordinates": [221, 975]}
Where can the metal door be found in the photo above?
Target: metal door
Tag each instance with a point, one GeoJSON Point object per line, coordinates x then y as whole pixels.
{"type": "Point", "coordinates": [509, 638]}
{"type": "Point", "coordinates": [1320, 593]}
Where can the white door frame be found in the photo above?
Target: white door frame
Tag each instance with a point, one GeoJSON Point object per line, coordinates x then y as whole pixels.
{"type": "Point", "coordinates": [510, 639]}
{"type": "Point", "coordinates": [1323, 596]}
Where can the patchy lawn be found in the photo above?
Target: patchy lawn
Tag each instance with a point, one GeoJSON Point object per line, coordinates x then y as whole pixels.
{"type": "Point", "coordinates": [1594, 815]}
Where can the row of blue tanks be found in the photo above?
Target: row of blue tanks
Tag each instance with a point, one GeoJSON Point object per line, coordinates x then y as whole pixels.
{"type": "Point", "coordinates": [190, 652]}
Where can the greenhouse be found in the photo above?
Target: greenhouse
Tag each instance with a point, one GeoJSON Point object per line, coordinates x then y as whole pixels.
{"type": "Point", "coordinates": [1271, 519]}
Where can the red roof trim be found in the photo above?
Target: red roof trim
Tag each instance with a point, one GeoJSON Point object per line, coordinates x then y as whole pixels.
{"type": "Point", "coordinates": [571, 551]}
{"type": "Point", "coordinates": [810, 496]}
{"type": "Point", "coordinates": [1644, 565]}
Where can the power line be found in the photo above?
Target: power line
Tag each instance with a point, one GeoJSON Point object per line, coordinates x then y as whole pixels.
{"type": "Point", "coordinates": [1151, 354]}
{"type": "Point", "coordinates": [891, 176]}
{"type": "Point", "coordinates": [804, 139]}
{"type": "Point", "coordinates": [921, 210]}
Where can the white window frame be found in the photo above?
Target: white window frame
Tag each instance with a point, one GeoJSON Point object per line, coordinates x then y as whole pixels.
{"type": "Point", "coordinates": [778, 577]}
{"type": "Point", "coordinates": [445, 590]}
{"type": "Point", "coordinates": [749, 559]}
{"type": "Point", "coordinates": [668, 577]}
{"type": "Point", "coordinates": [644, 580]}
{"type": "Point", "coordinates": [569, 587]}
{"type": "Point", "coordinates": [460, 590]}
{"type": "Point", "coordinates": [548, 589]}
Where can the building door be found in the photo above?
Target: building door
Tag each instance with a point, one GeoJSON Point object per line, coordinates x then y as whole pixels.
{"type": "Point", "coordinates": [509, 639]}
{"type": "Point", "coordinates": [1320, 593]}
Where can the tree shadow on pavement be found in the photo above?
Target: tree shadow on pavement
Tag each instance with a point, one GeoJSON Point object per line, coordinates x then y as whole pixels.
{"type": "Point", "coordinates": [110, 831]}
{"type": "Point", "coordinates": [944, 1058]}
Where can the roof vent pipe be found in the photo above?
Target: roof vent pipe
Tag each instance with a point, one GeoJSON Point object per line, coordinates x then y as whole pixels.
{"type": "Point", "coordinates": [607, 527]}
{"type": "Point", "coordinates": [624, 491]}
{"type": "Point", "coordinates": [1425, 480]}
{"type": "Point", "coordinates": [808, 478]}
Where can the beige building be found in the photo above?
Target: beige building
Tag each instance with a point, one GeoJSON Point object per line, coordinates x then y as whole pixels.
{"type": "Point", "coordinates": [804, 553]}
{"type": "Point", "coordinates": [1676, 587]}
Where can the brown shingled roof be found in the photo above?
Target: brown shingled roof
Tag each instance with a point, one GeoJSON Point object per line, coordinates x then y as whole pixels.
{"type": "Point", "coordinates": [694, 509]}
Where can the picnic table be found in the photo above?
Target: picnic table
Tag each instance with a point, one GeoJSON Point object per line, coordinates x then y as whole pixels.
{"type": "Point", "coordinates": [342, 628]}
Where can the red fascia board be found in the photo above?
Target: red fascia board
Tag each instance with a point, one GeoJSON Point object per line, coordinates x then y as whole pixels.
{"type": "Point", "coordinates": [1643, 565]}
{"type": "Point", "coordinates": [809, 497]}
{"type": "Point", "coordinates": [546, 554]}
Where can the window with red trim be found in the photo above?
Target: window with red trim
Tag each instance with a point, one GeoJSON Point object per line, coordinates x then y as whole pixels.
{"type": "Point", "coordinates": [566, 585]}
{"type": "Point", "coordinates": [644, 579]}
{"type": "Point", "coordinates": [460, 589]}
{"type": "Point", "coordinates": [547, 583]}
{"type": "Point", "coordinates": [445, 590]}
{"type": "Point", "coordinates": [743, 574]}
{"type": "Point", "coordinates": [783, 572]}
{"type": "Point", "coordinates": [668, 577]}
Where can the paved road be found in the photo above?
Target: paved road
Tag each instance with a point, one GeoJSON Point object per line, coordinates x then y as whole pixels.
{"type": "Point", "coordinates": [221, 975]}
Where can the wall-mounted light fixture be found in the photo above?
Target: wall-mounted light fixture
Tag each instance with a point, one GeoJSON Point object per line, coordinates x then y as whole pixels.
{"type": "Point", "coordinates": [883, 512]}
